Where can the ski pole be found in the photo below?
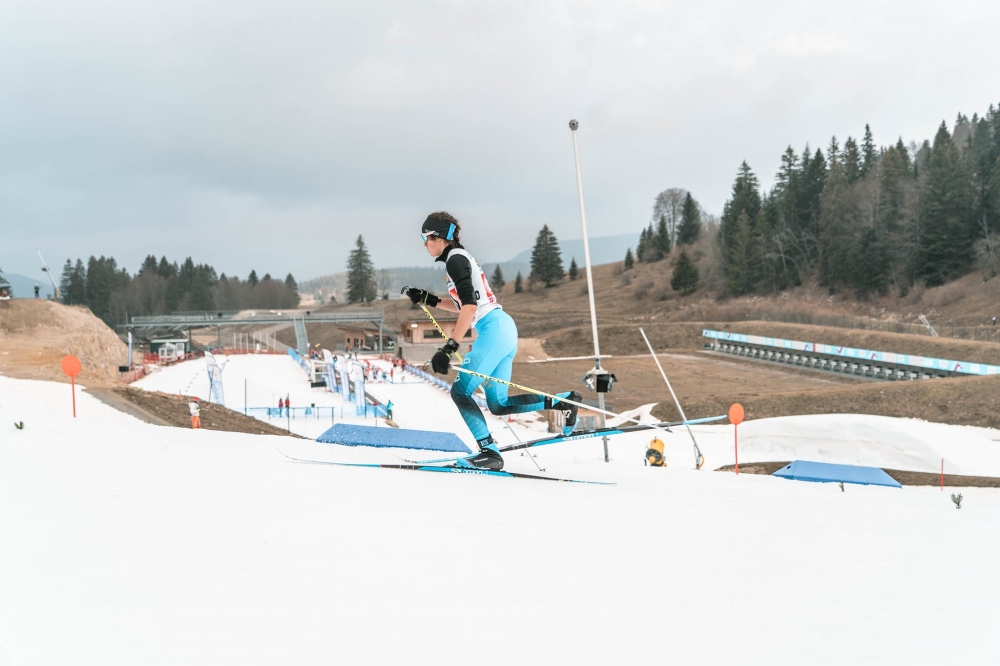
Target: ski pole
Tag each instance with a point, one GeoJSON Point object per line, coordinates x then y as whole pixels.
{"type": "Point", "coordinates": [556, 398]}
{"type": "Point", "coordinates": [699, 459]}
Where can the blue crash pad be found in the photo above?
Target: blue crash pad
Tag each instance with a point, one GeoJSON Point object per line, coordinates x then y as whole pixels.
{"type": "Point", "coordinates": [393, 438]}
{"type": "Point", "coordinates": [805, 470]}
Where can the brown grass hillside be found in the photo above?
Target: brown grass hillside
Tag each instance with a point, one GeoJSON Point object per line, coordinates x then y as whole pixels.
{"type": "Point", "coordinates": [36, 334]}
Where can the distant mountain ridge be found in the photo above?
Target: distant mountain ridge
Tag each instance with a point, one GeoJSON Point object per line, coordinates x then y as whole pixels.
{"type": "Point", "coordinates": [24, 287]}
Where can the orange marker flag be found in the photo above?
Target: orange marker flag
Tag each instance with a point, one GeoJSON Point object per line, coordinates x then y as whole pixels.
{"type": "Point", "coordinates": [736, 418]}
{"type": "Point", "coordinates": [71, 368]}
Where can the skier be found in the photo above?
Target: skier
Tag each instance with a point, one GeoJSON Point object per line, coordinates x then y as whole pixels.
{"type": "Point", "coordinates": [388, 410]}
{"type": "Point", "coordinates": [493, 352]}
{"type": "Point", "coordinates": [195, 413]}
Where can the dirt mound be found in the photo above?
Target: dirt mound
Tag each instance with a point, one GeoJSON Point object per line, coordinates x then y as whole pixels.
{"type": "Point", "coordinates": [172, 410]}
{"type": "Point", "coordinates": [903, 477]}
{"type": "Point", "coordinates": [958, 401]}
{"type": "Point", "coordinates": [36, 334]}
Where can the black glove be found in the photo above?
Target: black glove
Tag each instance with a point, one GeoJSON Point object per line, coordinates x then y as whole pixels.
{"type": "Point", "coordinates": [418, 296]}
{"type": "Point", "coordinates": [439, 362]}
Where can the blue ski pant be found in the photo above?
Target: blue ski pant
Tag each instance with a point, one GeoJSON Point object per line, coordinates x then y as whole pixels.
{"type": "Point", "coordinates": [492, 354]}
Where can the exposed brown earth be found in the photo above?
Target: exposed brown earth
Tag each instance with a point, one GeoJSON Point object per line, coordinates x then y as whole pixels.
{"type": "Point", "coordinates": [36, 334]}
{"type": "Point", "coordinates": [697, 378]}
{"type": "Point", "coordinates": [172, 410]}
{"type": "Point", "coordinates": [903, 477]}
{"type": "Point", "coordinates": [960, 401]}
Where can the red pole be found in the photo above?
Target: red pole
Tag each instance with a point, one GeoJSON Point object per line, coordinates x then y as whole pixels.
{"type": "Point", "coordinates": [72, 385]}
{"type": "Point", "coordinates": [736, 448]}
{"type": "Point", "coordinates": [942, 474]}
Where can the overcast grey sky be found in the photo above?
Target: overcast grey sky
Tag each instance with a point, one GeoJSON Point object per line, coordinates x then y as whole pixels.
{"type": "Point", "coordinates": [268, 135]}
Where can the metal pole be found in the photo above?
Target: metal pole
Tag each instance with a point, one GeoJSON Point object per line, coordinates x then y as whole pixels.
{"type": "Point", "coordinates": [698, 458]}
{"type": "Point", "coordinates": [573, 125]}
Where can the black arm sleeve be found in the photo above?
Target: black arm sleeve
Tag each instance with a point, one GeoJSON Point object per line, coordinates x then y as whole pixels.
{"type": "Point", "coordinates": [460, 272]}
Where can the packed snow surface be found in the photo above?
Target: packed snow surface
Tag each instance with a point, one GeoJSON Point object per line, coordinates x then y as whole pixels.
{"type": "Point", "coordinates": [127, 543]}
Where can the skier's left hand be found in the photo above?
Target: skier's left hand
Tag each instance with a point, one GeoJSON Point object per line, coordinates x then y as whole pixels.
{"type": "Point", "coordinates": [439, 362]}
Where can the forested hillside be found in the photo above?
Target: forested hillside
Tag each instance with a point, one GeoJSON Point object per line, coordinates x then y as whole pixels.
{"type": "Point", "coordinates": [867, 219]}
{"type": "Point", "coordinates": [161, 287]}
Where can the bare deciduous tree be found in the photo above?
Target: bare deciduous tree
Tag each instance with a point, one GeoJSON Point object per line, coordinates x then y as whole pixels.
{"type": "Point", "coordinates": [669, 204]}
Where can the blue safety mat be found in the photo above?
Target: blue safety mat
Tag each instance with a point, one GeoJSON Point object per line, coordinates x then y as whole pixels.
{"type": "Point", "coordinates": [393, 438]}
{"type": "Point", "coordinates": [805, 470]}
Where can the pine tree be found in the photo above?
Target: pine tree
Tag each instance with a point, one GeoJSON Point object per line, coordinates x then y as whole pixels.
{"type": "Point", "coordinates": [690, 226]}
{"type": "Point", "coordinates": [252, 279]}
{"type": "Point", "coordinates": [573, 269]}
{"type": "Point", "coordinates": [685, 277]}
{"type": "Point", "coordinates": [852, 160]}
{"type": "Point", "coordinates": [546, 262]}
{"type": "Point", "coordinates": [742, 265]}
{"type": "Point", "coordinates": [629, 260]}
{"type": "Point", "coordinates": [496, 280]}
{"type": "Point", "coordinates": [868, 154]}
{"type": "Point", "coordinates": [66, 283]}
{"type": "Point", "coordinates": [360, 274]}
{"type": "Point", "coordinates": [518, 284]}
{"type": "Point", "coordinates": [291, 283]}
{"type": "Point", "coordinates": [837, 217]}
{"type": "Point", "coordinates": [663, 236]}
{"type": "Point", "coordinates": [947, 209]}
{"type": "Point", "coordinates": [643, 244]}
{"type": "Point", "coordinates": [649, 245]}
{"type": "Point", "coordinates": [738, 232]}
{"type": "Point", "coordinates": [167, 270]}
{"type": "Point", "coordinates": [78, 284]}
{"type": "Point", "coordinates": [149, 265]}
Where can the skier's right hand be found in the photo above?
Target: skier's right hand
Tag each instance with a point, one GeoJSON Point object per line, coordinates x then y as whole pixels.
{"type": "Point", "coordinates": [418, 296]}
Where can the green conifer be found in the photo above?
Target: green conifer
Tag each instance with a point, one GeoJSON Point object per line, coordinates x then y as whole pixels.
{"type": "Point", "coordinates": [685, 276]}
{"type": "Point", "coordinates": [361, 286]}
{"type": "Point", "coordinates": [690, 227]}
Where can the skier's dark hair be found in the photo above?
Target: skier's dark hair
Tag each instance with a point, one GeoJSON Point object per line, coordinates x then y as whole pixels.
{"type": "Point", "coordinates": [444, 223]}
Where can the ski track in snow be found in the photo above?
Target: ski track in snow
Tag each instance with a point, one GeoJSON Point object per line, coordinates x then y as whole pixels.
{"type": "Point", "coordinates": [127, 543]}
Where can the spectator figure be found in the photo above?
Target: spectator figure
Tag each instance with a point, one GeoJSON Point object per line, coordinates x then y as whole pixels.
{"type": "Point", "coordinates": [388, 410]}
{"type": "Point", "coordinates": [37, 289]}
{"type": "Point", "coordinates": [195, 413]}
{"type": "Point", "coordinates": [392, 375]}
{"type": "Point", "coordinates": [288, 406]}
{"type": "Point", "coordinates": [281, 405]}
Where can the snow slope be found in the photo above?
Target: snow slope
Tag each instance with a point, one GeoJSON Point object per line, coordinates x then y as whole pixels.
{"type": "Point", "coordinates": [126, 543]}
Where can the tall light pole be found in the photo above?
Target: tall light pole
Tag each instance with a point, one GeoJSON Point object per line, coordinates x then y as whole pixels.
{"type": "Point", "coordinates": [573, 126]}
{"type": "Point", "coordinates": [45, 268]}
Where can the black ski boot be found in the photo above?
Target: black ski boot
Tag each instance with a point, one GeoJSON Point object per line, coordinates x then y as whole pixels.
{"type": "Point", "coordinates": [568, 410]}
{"type": "Point", "coordinates": [488, 457]}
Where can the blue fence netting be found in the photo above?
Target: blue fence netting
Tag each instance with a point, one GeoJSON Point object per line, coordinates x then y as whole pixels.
{"type": "Point", "coordinates": [318, 413]}
{"type": "Point", "coordinates": [440, 383]}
